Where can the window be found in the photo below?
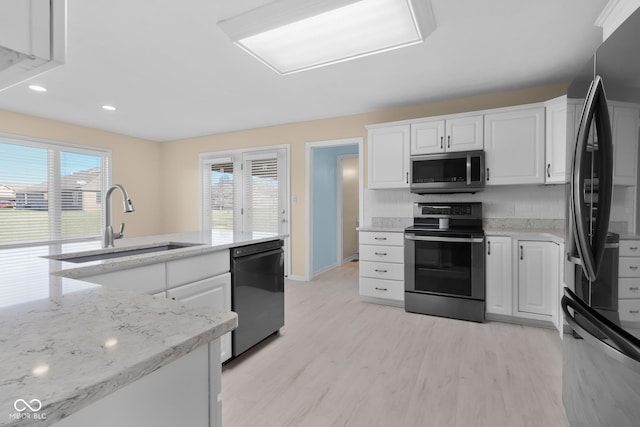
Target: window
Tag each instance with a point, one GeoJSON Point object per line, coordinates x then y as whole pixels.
{"type": "Point", "coordinates": [245, 191]}
{"type": "Point", "coordinates": [50, 191]}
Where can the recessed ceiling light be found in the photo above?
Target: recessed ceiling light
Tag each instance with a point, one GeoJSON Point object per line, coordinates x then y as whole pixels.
{"type": "Point", "coordinates": [109, 107]}
{"type": "Point", "coordinates": [296, 35]}
{"type": "Point", "coordinates": [37, 88]}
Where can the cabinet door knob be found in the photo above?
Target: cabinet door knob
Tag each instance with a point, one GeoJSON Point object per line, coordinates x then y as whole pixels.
{"type": "Point", "coordinates": [407, 177]}
{"type": "Point", "coordinates": [449, 141]}
{"type": "Point", "coordinates": [489, 246]}
{"type": "Point", "coordinates": [382, 289]}
{"type": "Point", "coordinates": [633, 248]}
{"type": "Point", "coordinates": [381, 253]}
{"type": "Point", "coordinates": [380, 238]}
{"type": "Point", "coordinates": [441, 142]}
{"type": "Point", "coordinates": [634, 311]}
{"type": "Point", "coordinates": [521, 252]}
{"type": "Point", "coordinates": [487, 174]}
{"type": "Point", "coordinates": [380, 271]}
{"type": "Point", "coordinates": [548, 170]}
{"type": "Point", "coordinates": [633, 267]}
{"type": "Point", "coordinates": [634, 288]}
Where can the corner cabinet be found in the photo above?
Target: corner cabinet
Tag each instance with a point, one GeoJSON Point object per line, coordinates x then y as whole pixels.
{"type": "Point", "coordinates": [538, 273]}
{"type": "Point", "coordinates": [382, 267]}
{"type": "Point", "coordinates": [523, 278]}
{"type": "Point", "coordinates": [514, 146]}
{"type": "Point", "coordinates": [388, 150]}
{"type": "Point", "coordinates": [455, 134]}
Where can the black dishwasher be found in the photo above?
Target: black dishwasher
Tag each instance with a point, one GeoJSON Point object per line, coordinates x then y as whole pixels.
{"type": "Point", "coordinates": [257, 293]}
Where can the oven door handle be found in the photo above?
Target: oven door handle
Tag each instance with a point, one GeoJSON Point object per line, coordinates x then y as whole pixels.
{"type": "Point", "coordinates": [444, 239]}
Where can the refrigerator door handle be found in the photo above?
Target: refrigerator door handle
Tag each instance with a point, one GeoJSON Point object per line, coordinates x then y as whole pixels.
{"type": "Point", "coordinates": [591, 250]}
{"type": "Point", "coordinates": [629, 353]}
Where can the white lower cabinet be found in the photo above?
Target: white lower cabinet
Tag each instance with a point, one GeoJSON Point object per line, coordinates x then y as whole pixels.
{"type": "Point", "coordinates": [538, 273]}
{"type": "Point", "coordinates": [181, 393]}
{"type": "Point", "coordinates": [523, 278]}
{"type": "Point", "coordinates": [382, 267]}
{"type": "Point", "coordinates": [212, 293]}
{"type": "Point", "coordinates": [201, 280]}
{"type": "Point", "coordinates": [498, 276]}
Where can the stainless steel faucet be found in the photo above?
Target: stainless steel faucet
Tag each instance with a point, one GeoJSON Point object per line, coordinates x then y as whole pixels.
{"type": "Point", "coordinates": [109, 235]}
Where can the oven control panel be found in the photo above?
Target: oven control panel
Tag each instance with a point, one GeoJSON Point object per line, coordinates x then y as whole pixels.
{"type": "Point", "coordinates": [447, 210]}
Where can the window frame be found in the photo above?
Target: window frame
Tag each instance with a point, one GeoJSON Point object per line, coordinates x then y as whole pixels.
{"type": "Point", "coordinates": [54, 191]}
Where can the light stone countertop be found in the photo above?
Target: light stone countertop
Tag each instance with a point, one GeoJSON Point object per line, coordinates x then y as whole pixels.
{"type": "Point", "coordinates": [69, 343]}
{"type": "Point", "coordinates": [382, 228]}
{"type": "Point", "coordinates": [528, 234]}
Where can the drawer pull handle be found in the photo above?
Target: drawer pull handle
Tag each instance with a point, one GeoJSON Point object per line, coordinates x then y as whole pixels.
{"type": "Point", "coordinates": [382, 289]}
{"type": "Point", "coordinates": [380, 271]}
{"type": "Point", "coordinates": [633, 288]}
{"type": "Point", "coordinates": [380, 238]}
{"type": "Point", "coordinates": [633, 267]}
{"type": "Point", "coordinates": [633, 311]}
{"type": "Point", "coordinates": [381, 253]}
{"type": "Point", "coordinates": [633, 248]}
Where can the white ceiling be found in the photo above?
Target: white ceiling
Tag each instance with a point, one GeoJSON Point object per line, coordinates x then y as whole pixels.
{"type": "Point", "coordinates": [172, 73]}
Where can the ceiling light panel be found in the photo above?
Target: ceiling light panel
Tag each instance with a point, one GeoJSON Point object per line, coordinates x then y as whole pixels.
{"type": "Point", "coordinates": [346, 32]}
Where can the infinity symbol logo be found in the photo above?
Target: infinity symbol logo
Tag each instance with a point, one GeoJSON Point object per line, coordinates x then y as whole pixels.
{"type": "Point", "coordinates": [21, 405]}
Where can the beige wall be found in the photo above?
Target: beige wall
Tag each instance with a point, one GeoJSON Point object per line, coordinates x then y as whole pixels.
{"type": "Point", "coordinates": [180, 164]}
{"type": "Point", "coordinates": [135, 165]}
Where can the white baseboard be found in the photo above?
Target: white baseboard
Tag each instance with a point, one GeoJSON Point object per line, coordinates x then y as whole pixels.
{"type": "Point", "coordinates": [349, 259]}
{"type": "Point", "coordinates": [297, 278]}
{"type": "Point", "coordinates": [323, 270]}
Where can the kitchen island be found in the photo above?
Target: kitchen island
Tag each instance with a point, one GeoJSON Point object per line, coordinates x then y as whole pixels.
{"type": "Point", "coordinates": [68, 345]}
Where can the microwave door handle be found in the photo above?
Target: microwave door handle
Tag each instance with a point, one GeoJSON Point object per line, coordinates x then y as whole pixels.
{"type": "Point", "coordinates": [469, 170]}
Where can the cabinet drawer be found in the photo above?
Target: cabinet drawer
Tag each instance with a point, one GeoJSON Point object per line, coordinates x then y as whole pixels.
{"type": "Point", "coordinates": [629, 310]}
{"type": "Point", "coordinates": [147, 279]}
{"type": "Point", "coordinates": [629, 288]}
{"type": "Point", "coordinates": [382, 253]}
{"type": "Point", "coordinates": [381, 238]}
{"type": "Point", "coordinates": [192, 269]}
{"type": "Point", "coordinates": [629, 247]}
{"type": "Point", "coordinates": [386, 289]}
{"type": "Point", "coordinates": [382, 270]}
{"type": "Point", "coordinates": [629, 267]}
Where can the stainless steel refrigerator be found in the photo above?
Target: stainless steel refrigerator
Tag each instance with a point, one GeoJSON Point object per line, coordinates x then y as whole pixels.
{"type": "Point", "coordinates": [601, 356]}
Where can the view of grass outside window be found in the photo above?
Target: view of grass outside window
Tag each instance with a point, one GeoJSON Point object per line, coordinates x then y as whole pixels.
{"type": "Point", "coordinates": [50, 192]}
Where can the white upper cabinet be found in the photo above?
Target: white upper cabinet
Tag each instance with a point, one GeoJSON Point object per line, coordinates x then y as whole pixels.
{"type": "Point", "coordinates": [456, 134]}
{"type": "Point", "coordinates": [388, 150]}
{"type": "Point", "coordinates": [560, 133]}
{"type": "Point", "coordinates": [514, 146]}
{"type": "Point", "coordinates": [624, 129]}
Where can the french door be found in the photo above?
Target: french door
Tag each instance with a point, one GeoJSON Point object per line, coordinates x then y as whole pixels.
{"type": "Point", "coordinates": [246, 191]}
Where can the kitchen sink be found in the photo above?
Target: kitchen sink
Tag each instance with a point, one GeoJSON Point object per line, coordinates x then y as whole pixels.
{"type": "Point", "coordinates": [97, 255]}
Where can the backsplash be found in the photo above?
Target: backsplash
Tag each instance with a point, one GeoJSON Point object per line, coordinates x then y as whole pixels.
{"type": "Point", "coordinates": [521, 206]}
{"type": "Point", "coordinates": [538, 202]}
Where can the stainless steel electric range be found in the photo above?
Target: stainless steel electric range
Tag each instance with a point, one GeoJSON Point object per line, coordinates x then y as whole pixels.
{"type": "Point", "coordinates": [444, 261]}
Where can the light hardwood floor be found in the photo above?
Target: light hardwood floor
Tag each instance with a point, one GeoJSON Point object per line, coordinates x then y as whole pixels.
{"type": "Point", "coordinates": [342, 362]}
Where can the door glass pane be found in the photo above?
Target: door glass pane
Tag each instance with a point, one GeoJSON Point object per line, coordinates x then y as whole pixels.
{"type": "Point", "coordinates": [443, 267]}
{"type": "Point", "coordinates": [221, 179]}
{"type": "Point", "coordinates": [262, 195]}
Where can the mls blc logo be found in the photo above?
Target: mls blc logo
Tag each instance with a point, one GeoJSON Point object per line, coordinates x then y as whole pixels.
{"type": "Point", "coordinates": [27, 410]}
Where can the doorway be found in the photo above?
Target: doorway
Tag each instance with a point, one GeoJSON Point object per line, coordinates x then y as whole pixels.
{"type": "Point", "coordinates": [348, 207]}
{"type": "Point", "coordinates": [326, 224]}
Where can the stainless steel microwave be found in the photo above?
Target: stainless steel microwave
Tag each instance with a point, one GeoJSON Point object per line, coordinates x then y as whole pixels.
{"type": "Point", "coordinates": [461, 172]}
